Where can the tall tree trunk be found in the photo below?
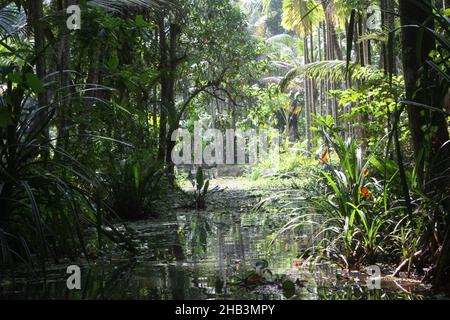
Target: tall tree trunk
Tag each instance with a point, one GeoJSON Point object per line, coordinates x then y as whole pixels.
{"type": "Point", "coordinates": [92, 79]}
{"type": "Point", "coordinates": [313, 91]}
{"type": "Point", "coordinates": [35, 12]}
{"type": "Point", "coordinates": [307, 96]}
{"type": "Point", "coordinates": [413, 13]}
{"type": "Point", "coordinates": [319, 48]}
{"type": "Point", "coordinates": [363, 118]}
{"type": "Point", "coordinates": [172, 112]}
{"type": "Point", "coordinates": [427, 145]}
{"type": "Point", "coordinates": [62, 57]}
{"type": "Point", "coordinates": [390, 17]}
{"type": "Point", "coordinates": [383, 57]}
{"type": "Point", "coordinates": [163, 69]}
{"type": "Point", "coordinates": [326, 57]}
{"type": "Point", "coordinates": [388, 24]}
{"type": "Point", "coordinates": [329, 9]}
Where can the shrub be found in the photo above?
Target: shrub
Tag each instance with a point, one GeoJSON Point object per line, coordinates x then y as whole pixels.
{"type": "Point", "coordinates": [134, 184]}
{"type": "Point", "coordinates": [47, 198]}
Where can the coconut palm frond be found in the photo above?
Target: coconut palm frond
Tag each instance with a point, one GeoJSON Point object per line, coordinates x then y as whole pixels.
{"type": "Point", "coordinates": [283, 47]}
{"type": "Point", "coordinates": [260, 22]}
{"type": "Point", "coordinates": [13, 23]}
{"type": "Point", "coordinates": [252, 6]}
{"type": "Point", "coordinates": [274, 80]}
{"type": "Point", "coordinates": [340, 10]}
{"type": "Point", "coordinates": [283, 38]}
{"type": "Point", "coordinates": [376, 36]}
{"type": "Point", "coordinates": [282, 65]}
{"type": "Point", "coordinates": [337, 70]}
{"type": "Point", "coordinates": [120, 5]}
{"type": "Point", "coordinates": [259, 26]}
{"type": "Point", "coordinates": [301, 16]}
{"type": "Point", "coordinates": [293, 74]}
{"type": "Point", "coordinates": [266, 5]}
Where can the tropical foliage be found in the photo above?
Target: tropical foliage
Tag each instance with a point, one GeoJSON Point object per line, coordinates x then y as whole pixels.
{"type": "Point", "coordinates": [359, 91]}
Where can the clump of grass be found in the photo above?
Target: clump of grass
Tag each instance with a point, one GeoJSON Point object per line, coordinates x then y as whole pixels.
{"type": "Point", "coordinates": [134, 185]}
{"type": "Point", "coordinates": [201, 189]}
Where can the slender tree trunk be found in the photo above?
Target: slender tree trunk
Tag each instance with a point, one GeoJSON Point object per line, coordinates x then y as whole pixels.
{"type": "Point", "coordinates": [383, 58]}
{"type": "Point", "coordinates": [172, 112]}
{"type": "Point", "coordinates": [326, 57]}
{"type": "Point", "coordinates": [163, 69]}
{"type": "Point", "coordinates": [363, 118]}
{"type": "Point", "coordinates": [313, 91]}
{"type": "Point", "coordinates": [155, 108]}
{"type": "Point", "coordinates": [35, 12]}
{"type": "Point", "coordinates": [390, 26]}
{"type": "Point", "coordinates": [63, 57]}
{"type": "Point", "coordinates": [307, 97]}
{"type": "Point", "coordinates": [319, 48]}
{"type": "Point", "coordinates": [329, 9]}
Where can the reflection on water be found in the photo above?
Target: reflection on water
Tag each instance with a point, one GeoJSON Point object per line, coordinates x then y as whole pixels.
{"type": "Point", "coordinates": [199, 255]}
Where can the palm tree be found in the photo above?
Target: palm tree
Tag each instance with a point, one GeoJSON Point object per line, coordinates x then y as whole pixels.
{"type": "Point", "coordinates": [303, 17]}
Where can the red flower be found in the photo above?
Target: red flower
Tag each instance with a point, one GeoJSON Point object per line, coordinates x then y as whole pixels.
{"type": "Point", "coordinates": [296, 264]}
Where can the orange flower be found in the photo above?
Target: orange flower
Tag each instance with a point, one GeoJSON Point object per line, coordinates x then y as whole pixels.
{"type": "Point", "coordinates": [324, 158]}
{"type": "Point", "coordinates": [365, 192]}
{"type": "Point", "coordinates": [366, 173]}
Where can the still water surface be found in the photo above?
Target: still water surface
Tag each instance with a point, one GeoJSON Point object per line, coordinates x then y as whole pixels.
{"type": "Point", "coordinates": [205, 255]}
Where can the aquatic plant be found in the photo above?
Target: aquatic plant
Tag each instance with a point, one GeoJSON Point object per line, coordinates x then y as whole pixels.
{"type": "Point", "coordinates": [201, 189]}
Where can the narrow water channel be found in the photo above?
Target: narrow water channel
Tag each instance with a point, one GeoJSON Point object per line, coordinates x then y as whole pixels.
{"type": "Point", "coordinates": [205, 255]}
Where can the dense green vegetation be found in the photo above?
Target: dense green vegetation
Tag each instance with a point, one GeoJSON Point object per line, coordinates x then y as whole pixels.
{"type": "Point", "coordinates": [359, 91]}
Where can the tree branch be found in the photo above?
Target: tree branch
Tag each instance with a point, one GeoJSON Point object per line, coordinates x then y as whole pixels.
{"type": "Point", "coordinates": [212, 83]}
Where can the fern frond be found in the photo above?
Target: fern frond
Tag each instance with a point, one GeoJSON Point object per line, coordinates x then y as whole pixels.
{"type": "Point", "coordinates": [121, 5]}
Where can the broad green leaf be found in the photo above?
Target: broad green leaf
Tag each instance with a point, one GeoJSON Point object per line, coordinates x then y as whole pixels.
{"type": "Point", "coordinates": [288, 289]}
{"type": "Point", "coordinates": [34, 82]}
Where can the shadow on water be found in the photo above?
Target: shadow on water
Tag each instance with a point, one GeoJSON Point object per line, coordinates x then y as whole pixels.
{"type": "Point", "coordinates": [197, 255]}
